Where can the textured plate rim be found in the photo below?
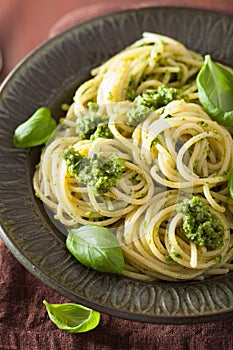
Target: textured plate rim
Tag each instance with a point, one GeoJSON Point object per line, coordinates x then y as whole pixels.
{"type": "Point", "coordinates": [29, 264]}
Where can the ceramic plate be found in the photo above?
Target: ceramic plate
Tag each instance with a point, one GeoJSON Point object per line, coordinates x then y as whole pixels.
{"type": "Point", "coordinates": [49, 76]}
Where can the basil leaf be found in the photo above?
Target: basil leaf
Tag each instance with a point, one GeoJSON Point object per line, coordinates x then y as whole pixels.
{"type": "Point", "coordinates": [71, 317]}
{"type": "Point", "coordinates": [215, 89]}
{"type": "Point", "coordinates": [230, 184]}
{"type": "Point", "coordinates": [36, 130]}
{"type": "Point", "coordinates": [96, 247]}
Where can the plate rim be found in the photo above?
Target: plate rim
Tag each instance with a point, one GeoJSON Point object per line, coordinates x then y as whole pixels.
{"type": "Point", "coordinates": [174, 319]}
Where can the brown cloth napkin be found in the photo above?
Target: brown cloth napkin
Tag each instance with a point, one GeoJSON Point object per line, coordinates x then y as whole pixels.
{"type": "Point", "coordinates": [24, 322]}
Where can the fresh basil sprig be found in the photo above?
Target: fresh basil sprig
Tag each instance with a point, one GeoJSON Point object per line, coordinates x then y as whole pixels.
{"type": "Point", "coordinates": [96, 247]}
{"type": "Point", "coordinates": [36, 130]}
{"type": "Point", "coordinates": [71, 317]}
{"type": "Point", "coordinates": [215, 89]}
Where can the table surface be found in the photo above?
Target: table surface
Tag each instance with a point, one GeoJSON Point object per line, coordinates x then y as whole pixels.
{"type": "Point", "coordinates": [24, 323]}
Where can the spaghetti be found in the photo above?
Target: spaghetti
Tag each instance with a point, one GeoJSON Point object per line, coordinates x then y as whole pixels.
{"type": "Point", "coordinates": [175, 151]}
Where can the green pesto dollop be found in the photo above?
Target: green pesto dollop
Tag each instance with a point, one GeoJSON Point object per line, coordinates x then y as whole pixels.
{"type": "Point", "coordinates": [155, 99]}
{"type": "Point", "coordinates": [73, 160]}
{"type": "Point", "coordinates": [200, 225]}
{"type": "Point", "coordinates": [103, 131]}
{"type": "Point", "coordinates": [98, 172]}
{"type": "Point", "coordinates": [87, 124]}
{"type": "Point", "coordinates": [137, 114]}
{"type": "Point", "coordinates": [151, 99]}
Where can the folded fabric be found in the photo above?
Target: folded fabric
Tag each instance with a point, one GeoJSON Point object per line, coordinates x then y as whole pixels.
{"type": "Point", "coordinates": [24, 322]}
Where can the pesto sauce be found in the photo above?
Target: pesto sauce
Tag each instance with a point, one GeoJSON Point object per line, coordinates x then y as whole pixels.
{"type": "Point", "coordinates": [98, 172]}
{"type": "Point", "coordinates": [73, 160]}
{"type": "Point", "coordinates": [155, 99]}
{"type": "Point", "coordinates": [150, 100]}
{"type": "Point", "coordinates": [137, 114]}
{"type": "Point", "coordinates": [103, 131]}
{"type": "Point", "coordinates": [199, 224]}
{"type": "Point", "coordinates": [88, 124]}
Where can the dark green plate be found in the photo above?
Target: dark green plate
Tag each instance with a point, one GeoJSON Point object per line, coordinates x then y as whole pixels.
{"type": "Point", "coordinates": [49, 76]}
